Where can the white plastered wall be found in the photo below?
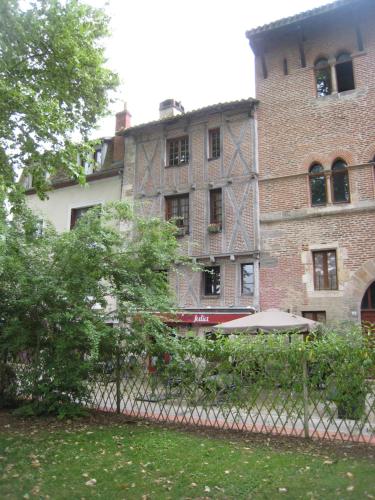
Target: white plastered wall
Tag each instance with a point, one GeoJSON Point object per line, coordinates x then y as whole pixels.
{"type": "Point", "coordinates": [57, 208]}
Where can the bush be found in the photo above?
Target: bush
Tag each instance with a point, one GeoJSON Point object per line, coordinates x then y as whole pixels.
{"type": "Point", "coordinates": [239, 370]}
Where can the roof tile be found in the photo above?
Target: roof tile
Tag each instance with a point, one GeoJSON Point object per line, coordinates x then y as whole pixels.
{"type": "Point", "coordinates": [298, 17]}
{"type": "Point", "coordinates": [221, 106]}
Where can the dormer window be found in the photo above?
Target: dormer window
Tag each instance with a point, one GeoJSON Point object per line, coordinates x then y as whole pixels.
{"type": "Point", "coordinates": [344, 72]}
{"type": "Point", "coordinates": [323, 77]}
{"type": "Point", "coordinates": [98, 158]}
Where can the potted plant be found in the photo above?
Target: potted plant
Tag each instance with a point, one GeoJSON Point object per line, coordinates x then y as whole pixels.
{"type": "Point", "coordinates": [214, 227]}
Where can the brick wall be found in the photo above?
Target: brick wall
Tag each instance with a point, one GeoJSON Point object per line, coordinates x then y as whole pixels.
{"type": "Point", "coordinates": [233, 172]}
{"type": "Point", "coordinates": [297, 128]}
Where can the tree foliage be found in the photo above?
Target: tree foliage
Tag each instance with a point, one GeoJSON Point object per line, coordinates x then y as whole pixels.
{"type": "Point", "coordinates": [246, 372]}
{"type": "Point", "coordinates": [59, 291]}
{"type": "Point", "coordinates": [53, 84]}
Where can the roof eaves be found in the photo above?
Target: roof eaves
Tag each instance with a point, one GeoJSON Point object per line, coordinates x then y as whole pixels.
{"type": "Point", "coordinates": [215, 108]}
{"type": "Point", "coordinates": [298, 17]}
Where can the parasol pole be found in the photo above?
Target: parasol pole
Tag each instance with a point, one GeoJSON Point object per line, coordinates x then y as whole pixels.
{"type": "Point", "coordinates": [305, 392]}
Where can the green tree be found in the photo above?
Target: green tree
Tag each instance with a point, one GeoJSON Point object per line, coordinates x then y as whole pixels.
{"type": "Point", "coordinates": [56, 290]}
{"type": "Point", "coordinates": [53, 85]}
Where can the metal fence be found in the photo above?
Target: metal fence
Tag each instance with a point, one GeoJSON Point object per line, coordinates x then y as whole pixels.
{"type": "Point", "coordinates": [200, 395]}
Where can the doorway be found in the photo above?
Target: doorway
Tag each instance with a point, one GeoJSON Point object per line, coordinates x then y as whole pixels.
{"type": "Point", "coordinates": [368, 305]}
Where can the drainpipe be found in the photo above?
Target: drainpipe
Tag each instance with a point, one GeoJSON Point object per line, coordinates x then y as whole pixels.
{"type": "Point", "coordinates": [256, 207]}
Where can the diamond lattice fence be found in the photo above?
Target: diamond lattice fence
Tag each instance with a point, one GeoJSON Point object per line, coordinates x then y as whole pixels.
{"type": "Point", "coordinates": [319, 389]}
{"type": "Point", "coordinates": [202, 392]}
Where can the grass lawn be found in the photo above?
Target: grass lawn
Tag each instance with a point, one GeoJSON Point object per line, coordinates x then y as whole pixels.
{"type": "Point", "coordinates": [44, 459]}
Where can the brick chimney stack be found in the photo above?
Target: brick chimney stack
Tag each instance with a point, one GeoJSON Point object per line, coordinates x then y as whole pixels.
{"type": "Point", "coordinates": [169, 108]}
{"type": "Point", "coordinates": [123, 121]}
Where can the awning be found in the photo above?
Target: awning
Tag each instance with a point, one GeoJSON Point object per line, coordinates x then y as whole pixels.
{"type": "Point", "coordinates": [203, 318]}
{"type": "Point", "coordinates": [272, 320]}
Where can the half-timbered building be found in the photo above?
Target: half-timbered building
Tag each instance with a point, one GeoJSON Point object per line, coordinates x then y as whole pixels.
{"type": "Point", "coordinates": [200, 169]}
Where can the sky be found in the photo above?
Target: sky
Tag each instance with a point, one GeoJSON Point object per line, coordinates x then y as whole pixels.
{"type": "Point", "coordinates": [194, 51]}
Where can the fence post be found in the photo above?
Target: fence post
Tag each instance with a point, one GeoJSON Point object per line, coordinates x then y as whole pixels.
{"type": "Point", "coordinates": [305, 395]}
{"type": "Point", "coordinates": [118, 381]}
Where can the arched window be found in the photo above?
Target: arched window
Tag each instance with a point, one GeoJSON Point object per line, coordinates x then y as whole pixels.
{"type": "Point", "coordinates": [317, 185]}
{"type": "Point", "coordinates": [323, 77]}
{"type": "Point", "coordinates": [344, 72]}
{"type": "Point", "coordinates": [340, 182]}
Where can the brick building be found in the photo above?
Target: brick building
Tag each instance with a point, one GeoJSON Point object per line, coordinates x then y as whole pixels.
{"type": "Point", "coordinates": [200, 168]}
{"type": "Point", "coordinates": [274, 197]}
{"type": "Point", "coordinates": [315, 82]}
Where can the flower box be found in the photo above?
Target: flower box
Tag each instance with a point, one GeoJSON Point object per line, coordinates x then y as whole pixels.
{"type": "Point", "coordinates": [214, 228]}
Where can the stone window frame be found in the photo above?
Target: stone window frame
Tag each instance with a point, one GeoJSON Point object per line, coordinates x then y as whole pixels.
{"type": "Point", "coordinates": [326, 286]}
{"type": "Point", "coordinates": [307, 250]}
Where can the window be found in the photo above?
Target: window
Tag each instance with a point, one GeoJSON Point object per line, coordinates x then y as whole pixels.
{"type": "Point", "coordinates": [98, 158]}
{"type": "Point", "coordinates": [211, 280]}
{"type": "Point", "coordinates": [178, 151]}
{"type": "Point", "coordinates": [39, 228]}
{"type": "Point", "coordinates": [87, 165]}
{"type": "Point", "coordinates": [317, 185]}
{"type": "Point", "coordinates": [247, 279]}
{"type": "Point", "coordinates": [77, 213]}
{"type": "Point", "coordinates": [214, 143]}
{"type": "Point", "coordinates": [323, 77]}
{"type": "Point", "coordinates": [216, 207]}
{"type": "Point", "coordinates": [28, 181]}
{"type": "Point", "coordinates": [344, 72]}
{"type": "Point", "coordinates": [177, 207]}
{"type": "Point", "coordinates": [315, 315]}
{"type": "Point", "coordinates": [325, 270]}
{"type": "Point", "coordinates": [340, 182]}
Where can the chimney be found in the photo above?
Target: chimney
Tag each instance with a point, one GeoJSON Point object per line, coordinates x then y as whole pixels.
{"type": "Point", "coordinates": [123, 119]}
{"type": "Point", "coordinates": [169, 108]}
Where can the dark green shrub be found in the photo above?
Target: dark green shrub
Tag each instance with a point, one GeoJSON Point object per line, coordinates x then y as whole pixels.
{"type": "Point", "coordinates": [8, 386]}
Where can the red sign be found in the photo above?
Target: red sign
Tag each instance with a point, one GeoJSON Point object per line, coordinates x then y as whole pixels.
{"type": "Point", "coordinates": [203, 318]}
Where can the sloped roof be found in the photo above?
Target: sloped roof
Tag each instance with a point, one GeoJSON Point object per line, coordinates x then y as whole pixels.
{"type": "Point", "coordinates": [299, 17]}
{"type": "Point", "coordinates": [214, 108]}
